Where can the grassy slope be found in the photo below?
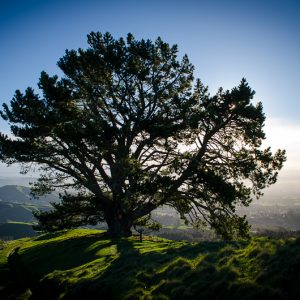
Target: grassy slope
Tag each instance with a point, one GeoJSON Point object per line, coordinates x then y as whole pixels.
{"type": "Point", "coordinates": [83, 264]}
{"type": "Point", "coordinates": [16, 230]}
{"type": "Point", "coordinates": [10, 289]}
{"type": "Point", "coordinates": [16, 212]}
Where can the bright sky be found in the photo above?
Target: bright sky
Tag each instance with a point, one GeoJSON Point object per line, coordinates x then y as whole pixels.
{"type": "Point", "coordinates": [225, 40]}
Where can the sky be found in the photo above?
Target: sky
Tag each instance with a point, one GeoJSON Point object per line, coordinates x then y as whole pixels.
{"type": "Point", "coordinates": [225, 40]}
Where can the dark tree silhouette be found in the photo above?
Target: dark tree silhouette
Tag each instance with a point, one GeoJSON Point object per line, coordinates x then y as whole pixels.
{"type": "Point", "coordinates": [130, 130]}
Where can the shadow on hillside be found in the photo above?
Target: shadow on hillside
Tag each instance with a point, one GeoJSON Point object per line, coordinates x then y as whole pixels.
{"type": "Point", "coordinates": [64, 254]}
{"type": "Point", "coordinates": [283, 270]}
{"type": "Point", "coordinates": [47, 236]}
{"type": "Point", "coordinates": [216, 270]}
{"type": "Point", "coordinates": [172, 275]}
{"type": "Point", "coordinates": [166, 274]}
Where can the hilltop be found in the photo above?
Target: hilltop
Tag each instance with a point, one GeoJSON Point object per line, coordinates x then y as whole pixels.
{"type": "Point", "coordinates": [85, 264]}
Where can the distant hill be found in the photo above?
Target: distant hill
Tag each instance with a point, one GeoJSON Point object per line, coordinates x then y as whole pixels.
{"type": "Point", "coordinates": [16, 230]}
{"type": "Point", "coordinates": [21, 194]}
{"type": "Point", "coordinates": [16, 219]}
{"type": "Point", "coordinates": [16, 212]}
{"type": "Point", "coordinates": [16, 205]}
{"type": "Point", "coordinates": [85, 264]}
{"type": "Point", "coordinates": [15, 193]}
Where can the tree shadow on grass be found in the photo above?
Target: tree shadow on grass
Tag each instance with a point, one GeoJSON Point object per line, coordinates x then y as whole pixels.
{"type": "Point", "coordinates": [165, 274]}
{"type": "Point", "coordinates": [10, 289]}
{"type": "Point", "coordinates": [283, 270]}
{"type": "Point", "coordinates": [63, 254]}
{"type": "Point", "coordinates": [216, 270]}
{"type": "Point", "coordinates": [198, 271]}
{"type": "Point", "coordinates": [48, 235]}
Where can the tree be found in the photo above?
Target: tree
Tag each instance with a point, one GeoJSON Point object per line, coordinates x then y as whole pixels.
{"type": "Point", "coordinates": [146, 225]}
{"type": "Point", "coordinates": [129, 129]}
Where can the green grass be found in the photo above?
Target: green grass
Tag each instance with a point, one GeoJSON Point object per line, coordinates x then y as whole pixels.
{"type": "Point", "coordinates": [84, 264]}
{"type": "Point", "coordinates": [180, 227]}
{"type": "Point", "coordinates": [10, 288]}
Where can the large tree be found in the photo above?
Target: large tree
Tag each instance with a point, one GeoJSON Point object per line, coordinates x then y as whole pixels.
{"type": "Point", "coordinates": [129, 129]}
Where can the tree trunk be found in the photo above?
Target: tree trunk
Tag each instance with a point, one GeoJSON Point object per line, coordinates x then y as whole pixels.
{"type": "Point", "coordinates": [119, 225]}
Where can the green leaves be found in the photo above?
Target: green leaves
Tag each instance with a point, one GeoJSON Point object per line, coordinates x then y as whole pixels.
{"type": "Point", "coordinates": [71, 212]}
{"type": "Point", "coordinates": [147, 224]}
{"type": "Point", "coordinates": [130, 128]}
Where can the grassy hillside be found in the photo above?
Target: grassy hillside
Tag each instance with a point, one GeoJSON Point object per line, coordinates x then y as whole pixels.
{"type": "Point", "coordinates": [16, 208]}
{"type": "Point", "coordinates": [16, 212]}
{"type": "Point", "coordinates": [15, 230]}
{"type": "Point", "coordinates": [16, 220]}
{"type": "Point", "coordinates": [84, 264]}
{"type": "Point", "coordinates": [15, 192]}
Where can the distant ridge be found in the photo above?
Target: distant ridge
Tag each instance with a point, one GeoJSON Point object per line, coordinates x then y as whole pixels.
{"type": "Point", "coordinates": [21, 194]}
{"type": "Point", "coordinates": [16, 180]}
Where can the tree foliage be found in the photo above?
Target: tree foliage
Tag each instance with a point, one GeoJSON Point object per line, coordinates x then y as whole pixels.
{"type": "Point", "coordinates": [129, 129]}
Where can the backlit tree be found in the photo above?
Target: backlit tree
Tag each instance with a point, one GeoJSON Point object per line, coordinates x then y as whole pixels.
{"type": "Point", "coordinates": [128, 129]}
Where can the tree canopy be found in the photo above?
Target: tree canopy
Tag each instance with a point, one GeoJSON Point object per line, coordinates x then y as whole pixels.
{"type": "Point", "coordinates": [129, 129]}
